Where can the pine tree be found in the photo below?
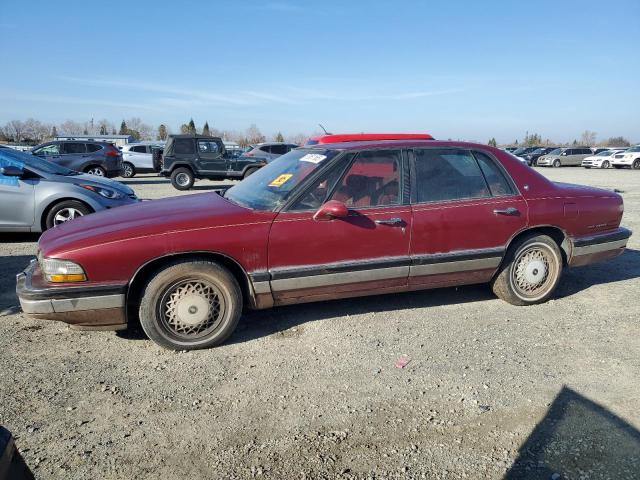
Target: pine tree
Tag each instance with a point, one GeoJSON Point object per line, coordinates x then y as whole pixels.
{"type": "Point", "coordinates": [103, 129]}
{"type": "Point", "coordinates": [192, 127]}
{"type": "Point", "coordinates": [279, 137]}
{"type": "Point", "coordinates": [205, 129]}
{"type": "Point", "coordinates": [54, 132]}
{"type": "Point", "coordinates": [123, 128]}
{"type": "Point", "coordinates": [493, 142]}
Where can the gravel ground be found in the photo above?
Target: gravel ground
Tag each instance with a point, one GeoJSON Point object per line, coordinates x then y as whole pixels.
{"type": "Point", "coordinates": [312, 391]}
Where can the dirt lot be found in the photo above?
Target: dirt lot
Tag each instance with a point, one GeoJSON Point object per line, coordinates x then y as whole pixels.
{"type": "Point", "coordinates": [311, 391]}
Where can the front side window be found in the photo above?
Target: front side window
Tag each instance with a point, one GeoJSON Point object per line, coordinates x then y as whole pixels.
{"type": "Point", "coordinates": [448, 174]}
{"type": "Point", "coordinates": [139, 149]}
{"type": "Point", "coordinates": [208, 147]}
{"type": "Point", "coordinates": [372, 180]}
{"type": "Point", "coordinates": [53, 149]}
{"type": "Point", "coordinates": [74, 148]}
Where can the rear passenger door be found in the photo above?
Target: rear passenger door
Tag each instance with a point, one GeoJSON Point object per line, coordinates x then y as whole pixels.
{"type": "Point", "coordinates": [465, 211]}
{"type": "Point", "coordinates": [73, 155]}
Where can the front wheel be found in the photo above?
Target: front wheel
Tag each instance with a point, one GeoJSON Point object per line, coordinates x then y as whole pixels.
{"type": "Point", "coordinates": [190, 305]}
{"type": "Point", "coordinates": [530, 272]}
{"type": "Point", "coordinates": [65, 211]}
{"type": "Point", "coordinates": [636, 164]}
{"type": "Point", "coordinates": [182, 178]}
{"type": "Point", "coordinates": [606, 164]}
{"type": "Point", "coordinates": [557, 163]}
{"type": "Point", "coordinates": [128, 170]}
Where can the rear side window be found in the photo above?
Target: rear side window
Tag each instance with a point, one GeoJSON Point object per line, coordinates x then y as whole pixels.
{"type": "Point", "coordinates": [279, 149]}
{"type": "Point", "coordinates": [73, 147]}
{"type": "Point", "coordinates": [93, 147]}
{"type": "Point", "coordinates": [448, 174]}
{"type": "Point", "coordinates": [265, 148]}
{"type": "Point", "coordinates": [139, 149]}
{"type": "Point", "coordinates": [182, 146]}
{"type": "Point", "coordinates": [496, 179]}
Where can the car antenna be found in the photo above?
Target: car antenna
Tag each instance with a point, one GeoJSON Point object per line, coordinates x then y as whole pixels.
{"type": "Point", "coordinates": [324, 129]}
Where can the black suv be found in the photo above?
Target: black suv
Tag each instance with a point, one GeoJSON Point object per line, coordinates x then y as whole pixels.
{"type": "Point", "coordinates": [97, 158]}
{"type": "Point", "coordinates": [187, 157]}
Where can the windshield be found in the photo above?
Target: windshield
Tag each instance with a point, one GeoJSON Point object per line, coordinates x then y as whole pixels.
{"type": "Point", "coordinates": [539, 151]}
{"type": "Point", "coordinates": [519, 151]}
{"type": "Point", "coordinates": [37, 163]}
{"type": "Point", "coordinates": [634, 149]}
{"type": "Point", "coordinates": [604, 153]}
{"type": "Point", "coordinates": [269, 187]}
{"type": "Point", "coordinates": [557, 151]}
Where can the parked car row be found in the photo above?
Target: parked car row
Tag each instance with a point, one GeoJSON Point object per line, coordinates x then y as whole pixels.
{"type": "Point", "coordinates": [578, 156]}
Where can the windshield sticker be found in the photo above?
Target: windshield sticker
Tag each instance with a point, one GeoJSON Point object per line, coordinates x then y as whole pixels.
{"type": "Point", "coordinates": [281, 180]}
{"type": "Point", "coordinates": [313, 158]}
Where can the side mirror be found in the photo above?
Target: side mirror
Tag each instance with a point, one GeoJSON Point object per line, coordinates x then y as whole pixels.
{"type": "Point", "coordinates": [563, 154]}
{"type": "Point", "coordinates": [331, 210]}
{"type": "Point", "coordinates": [11, 171]}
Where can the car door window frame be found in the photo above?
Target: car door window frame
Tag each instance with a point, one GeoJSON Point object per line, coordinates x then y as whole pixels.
{"type": "Point", "coordinates": [414, 176]}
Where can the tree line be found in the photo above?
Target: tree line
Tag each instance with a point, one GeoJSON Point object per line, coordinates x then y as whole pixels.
{"type": "Point", "coordinates": [587, 139]}
{"type": "Point", "coordinates": [32, 131]}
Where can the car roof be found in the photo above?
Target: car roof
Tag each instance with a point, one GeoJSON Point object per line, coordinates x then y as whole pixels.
{"type": "Point", "coordinates": [361, 137]}
{"type": "Point", "coordinates": [194, 135]}
{"type": "Point", "coordinates": [396, 144]}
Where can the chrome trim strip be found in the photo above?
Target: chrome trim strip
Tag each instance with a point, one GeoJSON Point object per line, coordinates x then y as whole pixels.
{"type": "Point", "coordinates": [453, 267]}
{"type": "Point", "coordinates": [599, 247]}
{"type": "Point", "coordinates": [342, 278]}
{"type": "Point", "coordinates": [64, 305]}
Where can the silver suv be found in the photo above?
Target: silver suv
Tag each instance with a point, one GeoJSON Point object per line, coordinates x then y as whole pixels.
{"type": "Point", "coordinates": [562, 157]}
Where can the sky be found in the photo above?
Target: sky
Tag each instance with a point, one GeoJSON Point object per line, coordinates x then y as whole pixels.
{"type": "Point", "coordinates": [468, 70]}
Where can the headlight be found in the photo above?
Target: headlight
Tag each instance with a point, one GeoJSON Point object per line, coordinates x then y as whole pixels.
{"type": "Point", "coordinates": [60, 271]}
{"type": "Point", "coordinates": [105, 192]}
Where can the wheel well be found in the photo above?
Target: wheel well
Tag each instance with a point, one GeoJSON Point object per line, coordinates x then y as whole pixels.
{"type": "Point", "coordinates": [143, 275]}
{"type": "Point", "coordinates": [554, 232]}
{"type": "Point", "coordinates": [91, 165]}
{"type": "Point", "coordinates": [182, 165]}
{"type": "Point", "coordinates": [43, 220]}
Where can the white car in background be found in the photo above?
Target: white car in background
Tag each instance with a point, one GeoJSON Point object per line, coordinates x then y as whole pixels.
{"type": "Point", "coordinates": [138, 158]}
{"type": "Point", "coordinates": [628, 158]}
{"type": "Point", "coordinates": [601, 159]}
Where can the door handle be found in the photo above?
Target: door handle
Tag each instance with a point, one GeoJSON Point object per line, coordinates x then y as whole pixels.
{"type": "Point", "coordinates": [390, 221]}
{"type": "Point", "coordinates": [510, 212]}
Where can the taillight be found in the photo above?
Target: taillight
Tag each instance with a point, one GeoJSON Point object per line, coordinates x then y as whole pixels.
{"type": "Point", "coordinates": [112, 152]}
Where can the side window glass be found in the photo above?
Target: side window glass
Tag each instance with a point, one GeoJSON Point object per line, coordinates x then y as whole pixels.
{"type": "Point", "coordinates": [93, 147]}
{"type": "Point", "coordinates": [138, 149]}
{"type": "Point", "coordinates": [319, 192]}
{"type": "Point", "coordinates": [53, 149]}
{"type": "Point", "coordinates": [208, 148]}
{"type": "Point", "coordinates": [372, 180]}
{"type": "Point", "coordinates": [73, 147]}
{"type": "Point", "coordinates": [448, 174]}
{"type": "Point", "coordinates": [496, 179]}
{"type": "Point", "coordinates": [183, 146]}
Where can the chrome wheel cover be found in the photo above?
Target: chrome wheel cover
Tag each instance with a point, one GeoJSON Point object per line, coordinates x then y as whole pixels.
{"type": "Point", "coordinates": [182, 179]}
{"type": "Point", "coordinates": [191, 308]}
{"type": "Point", "coordinates": [96, 171]}
{"type": "Point", "coordinates": [534, 271]}
{"type": "Point", "coordinates": [66, 214]}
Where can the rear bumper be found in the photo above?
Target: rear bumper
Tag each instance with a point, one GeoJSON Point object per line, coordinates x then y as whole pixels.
{"type": "Point", "coordinates": [100, 307]}
{"type": "Point", "coordinates": [598, 248]}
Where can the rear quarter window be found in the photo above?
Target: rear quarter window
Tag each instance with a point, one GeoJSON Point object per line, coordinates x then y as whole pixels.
{"type": "Point", "coordinates": [93, 147]}
{"type": "Point", "coordinates": [182, 146]}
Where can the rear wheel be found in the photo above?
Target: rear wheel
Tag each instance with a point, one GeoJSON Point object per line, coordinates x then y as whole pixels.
{"type": "Point", "coordinates": [636, 164]}
{"type": "Point", "coordinates": [530, 272]}
{"type": "Point", "coordinates": [190, 305]}
{"type": "Point", "coordinates": [128, 170]}
{"type": "Point", "coordinates": [606, 164]}
{"type": "Point", "coordinates": [250, 171]}
{"type": "Point", "coordinates": [65, 211]}
{"type": "Point", "coordinates": [96, 170]}
{"type": "Point", "coordinates": [556, 163]}
{"type": "Point", "coordinates": [182, 178]}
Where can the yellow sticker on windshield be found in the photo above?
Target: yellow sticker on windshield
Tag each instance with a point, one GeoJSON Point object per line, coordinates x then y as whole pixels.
{"type": "Point", "coordinates": [281, 180]}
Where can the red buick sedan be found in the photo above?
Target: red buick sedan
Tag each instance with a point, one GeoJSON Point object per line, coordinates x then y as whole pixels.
{"type": "Point", "coordinates": [327, 221]}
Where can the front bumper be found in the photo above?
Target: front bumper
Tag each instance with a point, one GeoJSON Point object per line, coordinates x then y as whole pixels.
{"type": "Point", "coordinates": [598, 248]}
{"type": "Point", "coordinates": [97, 307]}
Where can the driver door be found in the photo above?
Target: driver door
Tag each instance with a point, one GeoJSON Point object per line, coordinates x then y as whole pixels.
{"type": "Point", "coordinates": [210, 156]}
{"type": "Point", "coordinates": [17, 200]}
{"type": "Point", "coordinates": [364, 252]}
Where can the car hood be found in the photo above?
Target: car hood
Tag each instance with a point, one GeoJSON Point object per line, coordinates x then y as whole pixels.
{"type": "Point", "coordinates": [93, 180]}
{"type": "Point", "coordinates": [145, 219]}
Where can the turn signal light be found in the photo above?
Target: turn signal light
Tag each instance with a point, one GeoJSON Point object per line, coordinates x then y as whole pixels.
{"type": "Point", "coordinates": [59, 278]}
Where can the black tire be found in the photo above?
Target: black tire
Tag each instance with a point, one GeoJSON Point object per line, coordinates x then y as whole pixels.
{"type": "Point", "coordinates": [636, 164]}
{"type": "Point", "coordinates": [606, 164]}
{"type": "Point", "coordinates": [183, 323]}
{"type": "Point", "coordinates": [128, 170]}
{"type": "Point", "coordinates": [557, 163]}
{"type": "Point", "coordinates": [66, 208]}
{"type": "Point", "coordinates": [182, 178]}
{"type": "Point", "coordinates": [250, 171]}
{"type": "Point", "coordinates": [96, 170]}
{"type": "Point", "coordinates": [521, 269]}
